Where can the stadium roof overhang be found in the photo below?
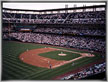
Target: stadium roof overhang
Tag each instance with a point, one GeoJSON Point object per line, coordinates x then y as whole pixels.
{"type": "Point", "coordinates": [74, 8]}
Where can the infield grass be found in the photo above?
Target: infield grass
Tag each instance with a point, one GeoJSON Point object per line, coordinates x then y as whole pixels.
{"type": "Point", "coordinates": [54, 55]}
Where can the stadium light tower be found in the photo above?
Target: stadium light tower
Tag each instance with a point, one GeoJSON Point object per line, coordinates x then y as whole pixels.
{"type": "Point", "coordinates": [66, 6]}
{"type": "Point", "coordinates": [75, 5]}
{"type": "Point", "coordinates": [84, 9]}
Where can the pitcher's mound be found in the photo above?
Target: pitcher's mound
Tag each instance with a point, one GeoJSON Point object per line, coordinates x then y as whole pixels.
{"type": "Point", "coordinates": [62, 54]}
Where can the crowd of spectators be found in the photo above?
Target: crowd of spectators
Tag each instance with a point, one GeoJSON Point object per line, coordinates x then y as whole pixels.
{"type": "Point", "coordinates": [90, 43]}
{"type": "Point", "coordinates": [58, 36]}
{"type": "Point", "coordinates": [97, 68]}
{"type": "Point", "coordinates": [61, 30]}
{"type": "Point", "coordinates": [97, 32]}
{"type": "Point", "coordinates": [94, 17]}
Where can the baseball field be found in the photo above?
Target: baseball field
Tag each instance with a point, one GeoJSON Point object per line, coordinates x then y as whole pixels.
{"type": "Point", "coordinates": [29, 61]}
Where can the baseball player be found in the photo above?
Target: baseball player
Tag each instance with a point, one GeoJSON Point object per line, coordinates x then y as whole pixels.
{"type": "Point", "coordinates": [50, 66]}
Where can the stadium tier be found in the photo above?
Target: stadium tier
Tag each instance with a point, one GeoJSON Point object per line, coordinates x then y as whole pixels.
{"type": "Point", "coordinates": [80, 27]}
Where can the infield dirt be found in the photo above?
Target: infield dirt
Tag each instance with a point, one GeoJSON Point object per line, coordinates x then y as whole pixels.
{"type": "Point", "coordinates": [32, 57]}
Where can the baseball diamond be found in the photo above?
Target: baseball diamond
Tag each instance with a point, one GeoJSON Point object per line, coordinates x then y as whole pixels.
{"type": "Point", "coordinates": [54, 44]}
{"type": "Point", "coordinates": [31, 57]}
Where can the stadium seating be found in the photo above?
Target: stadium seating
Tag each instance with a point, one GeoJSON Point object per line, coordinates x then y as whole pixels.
{"type": "Point", "coordinates": [97, 17]}
{"type": "Point", "coordinates": [84, 36]}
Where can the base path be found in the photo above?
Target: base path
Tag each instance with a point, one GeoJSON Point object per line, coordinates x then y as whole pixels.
{"type": "Point", "coordinates": [32, 57]}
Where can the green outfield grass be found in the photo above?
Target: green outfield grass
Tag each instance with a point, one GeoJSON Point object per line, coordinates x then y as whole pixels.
{"type": "Point", "coordinates": [54, 55]}
{"type": "Point", "coordinates": [14, 69]}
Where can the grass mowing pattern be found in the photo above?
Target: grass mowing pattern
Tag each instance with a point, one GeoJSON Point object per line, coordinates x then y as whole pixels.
{"type": "Point", "coordinates": [54, 55]}
{"type": "Point", "coordinates": [15, 69]}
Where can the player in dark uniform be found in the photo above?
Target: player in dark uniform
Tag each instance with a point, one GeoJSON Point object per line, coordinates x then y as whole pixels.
{"type": "Point", "coordinates": [50, 66]}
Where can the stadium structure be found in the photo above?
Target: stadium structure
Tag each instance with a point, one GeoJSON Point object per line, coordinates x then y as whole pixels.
{"type": "Point", "coordinates": [78, 33]}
